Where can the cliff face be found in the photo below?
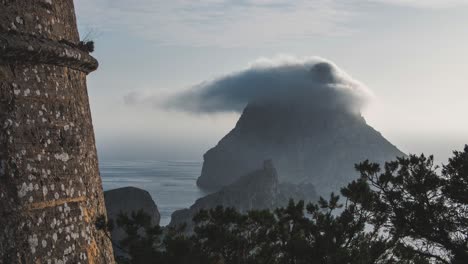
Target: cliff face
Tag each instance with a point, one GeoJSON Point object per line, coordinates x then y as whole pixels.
{"type": "Point", "coordinates": [259, 189]}
{"type": "Point", "coordinates": [307, 145]}
{"type": "Point", "coordinates": [50, 188]}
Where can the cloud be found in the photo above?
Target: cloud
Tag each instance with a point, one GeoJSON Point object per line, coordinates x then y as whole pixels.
{"type": "Point", "coordinates": [224, 23]}
{"type": "Point", "coordinates": [147, 97]}
{"type": "Point", "coordinates": [312, 81]}
{"type": "Point", "coordinates": [426, 3]}
{"type": "Point", "coordinates": [232, 23]}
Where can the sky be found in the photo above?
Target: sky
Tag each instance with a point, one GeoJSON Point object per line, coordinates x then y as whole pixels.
{"type": "Point", "coordinates": [411, 54]}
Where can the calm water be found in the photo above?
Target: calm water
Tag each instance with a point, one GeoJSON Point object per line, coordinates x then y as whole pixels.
{"type": "Point", "coordinates": [172, 184]}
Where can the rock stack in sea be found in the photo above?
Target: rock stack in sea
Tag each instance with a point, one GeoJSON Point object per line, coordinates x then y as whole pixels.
{"type": "Point", "coordinates": [127, 200]}
{"type": "Point", "coordinates": [308, 145]}
{"type": "Point", "coordinates": [259, 189]}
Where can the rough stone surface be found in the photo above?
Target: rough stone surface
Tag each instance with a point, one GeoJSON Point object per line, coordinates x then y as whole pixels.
{"type": "Point", "coordinates": [259, 189]}
{"type": "Point", "coordinates": [307, 145]}
{"type": "Point", "coordinates": [50, 188]}
{"type": "Point", "coordinates": [32, 49]}
{"type": "Point", "coordinates": [127, 200]}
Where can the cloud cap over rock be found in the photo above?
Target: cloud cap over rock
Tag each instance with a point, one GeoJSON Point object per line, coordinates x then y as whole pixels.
{"type": "Point", "coordinates": [314, 82]}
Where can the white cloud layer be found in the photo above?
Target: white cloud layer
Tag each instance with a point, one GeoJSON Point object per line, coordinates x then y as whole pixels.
{"type": "Point", "coordinates": [426, 3]}
{"type": "Point", "coordinates": [311, 82]}
{"type": "Point", "coordinates": [225, 23]}
{"type": "Point", "coordinates": [230, 23]}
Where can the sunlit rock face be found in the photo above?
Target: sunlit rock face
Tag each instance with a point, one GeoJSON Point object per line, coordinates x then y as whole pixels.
{"type": "Point", "coordinates": [259, 189]}
{"type": "Point", "coordinates": [308, 144]}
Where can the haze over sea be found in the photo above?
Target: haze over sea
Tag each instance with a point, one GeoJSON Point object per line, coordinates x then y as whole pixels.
{"type": "Point", "coordinates": [172, 184]}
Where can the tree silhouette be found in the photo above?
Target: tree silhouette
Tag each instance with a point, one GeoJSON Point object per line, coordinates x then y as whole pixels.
{"type": "Point", "coordinates": [409, 211]}
{"type": "Point", "coordinates": [423, 211]}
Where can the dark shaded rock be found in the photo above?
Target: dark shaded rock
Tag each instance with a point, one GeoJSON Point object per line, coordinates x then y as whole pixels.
{"type": "Point", "coordinates": [127, 200]}
{"type": "Point", "coordinates": [259, 189]}
{"type": "Point", "coordinates": [308, 145]}
{"type": "Point", "coordinates": [296, 192]}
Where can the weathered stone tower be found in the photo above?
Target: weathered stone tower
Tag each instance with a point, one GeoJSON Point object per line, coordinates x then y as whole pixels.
{"type": "Point", "coordinates": [50, 189]}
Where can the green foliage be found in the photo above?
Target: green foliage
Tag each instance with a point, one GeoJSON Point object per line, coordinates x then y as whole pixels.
{"type": "Point", "coordinates": [422, 210]}
{"type": "Point", "coordinates": [142, 242]}
{"type": "Point", "coordinates": [408, 212]}
{"type": "Point", "coordinates": [101, 223]}
{"type": "Point", "coordinates": [87, 46]}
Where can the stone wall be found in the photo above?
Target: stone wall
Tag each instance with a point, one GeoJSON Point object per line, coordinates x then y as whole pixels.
{"type": "Point", "coordinates": [50, 188]}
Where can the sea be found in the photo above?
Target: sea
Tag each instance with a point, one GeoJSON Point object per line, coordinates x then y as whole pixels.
{"type": "Point", "coordinates": [172, 184]}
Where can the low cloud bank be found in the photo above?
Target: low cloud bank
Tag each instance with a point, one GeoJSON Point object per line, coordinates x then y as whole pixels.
{"type": "Point", "coordinates": [312, 81]}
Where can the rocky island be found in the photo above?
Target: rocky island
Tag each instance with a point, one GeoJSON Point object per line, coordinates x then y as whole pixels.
{"type": "Point", "coordinates": [259, 189]}
{"type": "Point", "coordinates": [125, 201]}
{"type": "Point", "coordinates": [310, 141]}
